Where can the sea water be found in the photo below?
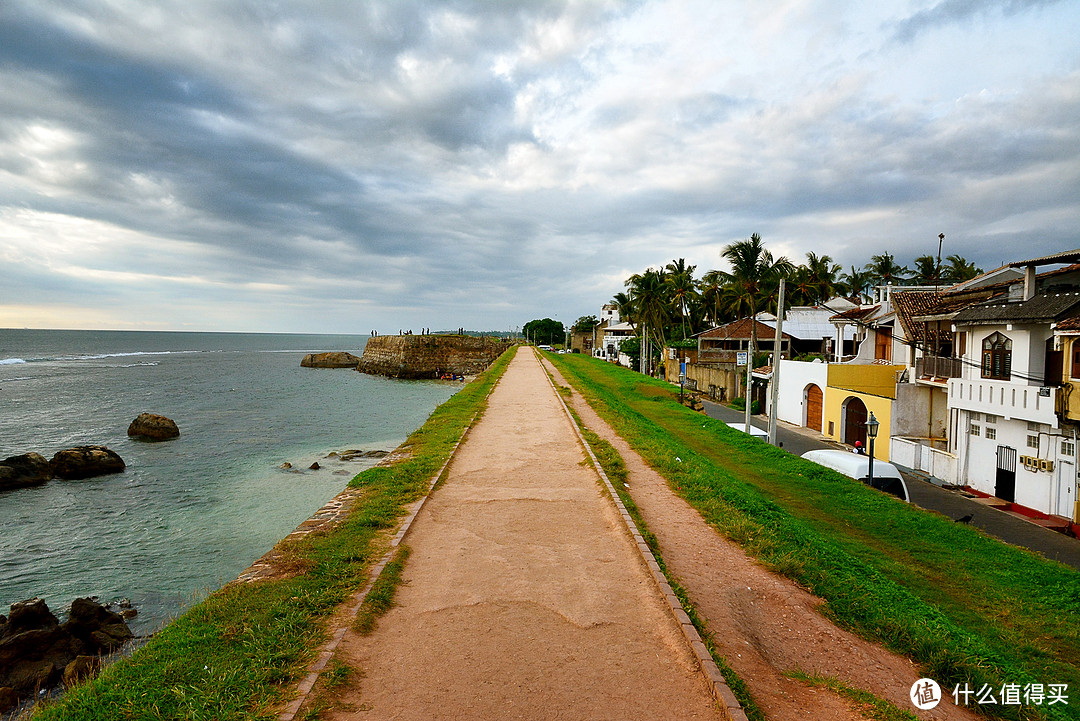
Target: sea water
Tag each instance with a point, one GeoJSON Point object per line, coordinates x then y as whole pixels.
{"type": "Point", "coordinates": [188, 515]}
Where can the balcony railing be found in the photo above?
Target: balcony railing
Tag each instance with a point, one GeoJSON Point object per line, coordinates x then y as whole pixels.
{"type": "Point", "coordinates": [931, 366]}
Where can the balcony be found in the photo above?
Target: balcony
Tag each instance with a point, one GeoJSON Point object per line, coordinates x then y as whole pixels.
{"type": "Point", "coordinates": [931, 367]}
{"type": "Point", "coordinates": [1006, 399]}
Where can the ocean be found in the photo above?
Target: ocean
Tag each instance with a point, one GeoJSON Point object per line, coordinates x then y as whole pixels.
{"type": "Point", "coordinates": [188, 515]}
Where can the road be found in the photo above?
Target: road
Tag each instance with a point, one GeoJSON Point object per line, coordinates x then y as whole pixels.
{"type": "Point", "coordinates": [924, 494]}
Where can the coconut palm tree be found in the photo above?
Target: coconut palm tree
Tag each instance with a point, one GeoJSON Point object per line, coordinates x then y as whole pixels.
{"type": "Point", "coordinates": [959, 270]}
{"type": "Point", "coordinates": [857, 282]}
{"type": "Point", "coordinates": [818, 278]}
{"type": "Point", "coordinates": [753, 275]}
{"type": "Point", "coordinates": [624, 305]}
{"type": "Point", "coordinates": [926, 271]}
{"type": "Point", "coordinates": [680, 281]}
{"type": "Point", "coordinates": [886, 270]}
{"type": "Point", "coordinates": [652, 304]}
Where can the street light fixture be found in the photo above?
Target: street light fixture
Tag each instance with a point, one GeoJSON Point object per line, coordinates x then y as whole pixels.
{"type": "Point", "coordinates": [871, 433]}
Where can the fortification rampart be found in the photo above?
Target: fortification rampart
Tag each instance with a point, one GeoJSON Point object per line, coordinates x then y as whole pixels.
{"type": "Point", "coordinates": [429, 356]}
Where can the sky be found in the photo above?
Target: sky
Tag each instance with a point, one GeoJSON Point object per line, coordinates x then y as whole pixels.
{"type": "Point", "coordinates": [339, 167]}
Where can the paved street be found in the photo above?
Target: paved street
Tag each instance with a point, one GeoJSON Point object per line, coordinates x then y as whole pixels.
{"type": "Point", "coordinates": [924, 494]}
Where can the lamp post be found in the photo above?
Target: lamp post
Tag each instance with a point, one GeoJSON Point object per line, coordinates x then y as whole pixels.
{"type": "Point", "coordinates": [871, 433]}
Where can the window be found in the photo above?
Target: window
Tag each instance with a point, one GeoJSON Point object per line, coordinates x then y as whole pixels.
{"type": "Point", "coordinates": [990, 418]}
{"type": "Point", "coordinates": [1068, 448]}
{"type": "Point", "coordinates": [1033, 442]}
{"type": "Point", "coordinates": [1075, 372]}
{"type": "Point", "coordinates": [997, 357]}
{"type": "Point", "coordinates": [976, 416]}
{"type": "Point", "coordinates": [991, 432]}
{"type": "Point", "coordinates": [974, 430]}
{"type": "Point", "coordinates": [1034, 427]}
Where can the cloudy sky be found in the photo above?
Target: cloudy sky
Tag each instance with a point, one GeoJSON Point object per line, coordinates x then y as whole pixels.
{"type": "Point", "coordinates": [335, 166]}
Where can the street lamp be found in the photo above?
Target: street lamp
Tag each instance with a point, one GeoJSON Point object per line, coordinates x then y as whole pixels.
{"type": "Point", "coordinates": [871, 433]}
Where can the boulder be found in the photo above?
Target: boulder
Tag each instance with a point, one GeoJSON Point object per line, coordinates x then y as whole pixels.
{"type": "Point", "coordinates": [8, 699]}
{"type": "Point", "coordinates": [36, 651]}
{"type": "Point", "coordinates": [86, 462]}
{"type": "Point", "coordinates": [96, 627]}
{"type": "Point", "coordinates": [29, 469]}
{"type": "Point", "coordinates": [337, 359]}
{"type": "Point", "coordinates": [153, 427]}
{"type": "Point", "coordinates": [82, 668]}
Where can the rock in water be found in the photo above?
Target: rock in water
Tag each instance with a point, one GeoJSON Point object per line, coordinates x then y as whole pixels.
{"type": "Point", "coordinates": [86, 462]}
{"type": "Point", "coordinates": [154, 427]}
{"type": "Point", "coordinates": [338, 359]}
{"type": "Point", "coordinates": [29, 469]}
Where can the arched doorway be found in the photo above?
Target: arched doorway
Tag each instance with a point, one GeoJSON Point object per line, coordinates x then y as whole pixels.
{"type": "Point", "coordinates": [812, 398]}
{"type": "Point", "coordinates": [854, 421]}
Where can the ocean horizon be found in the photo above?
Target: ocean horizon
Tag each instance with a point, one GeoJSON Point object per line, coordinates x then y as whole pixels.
{"type": "Point", "coordinates": [187, 515]}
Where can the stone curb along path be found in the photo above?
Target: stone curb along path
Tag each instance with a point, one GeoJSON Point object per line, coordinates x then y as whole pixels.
{"type": "Point", "coordinates": [721, 691]}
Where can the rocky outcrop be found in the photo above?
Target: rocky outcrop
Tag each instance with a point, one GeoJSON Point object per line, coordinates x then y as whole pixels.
{"type": "Point", "coordinates": [429, 356]}
{"type": "Point", "coordinates": [86, 462]}
{"type": "Point", "coordinates": [29, 469]}
{"type": "Point", "coordinates": [36, 650]}
{"type": "Point", "coordinates": [338, 359]}
{"type": "Point", "coordinates": [153, 427]}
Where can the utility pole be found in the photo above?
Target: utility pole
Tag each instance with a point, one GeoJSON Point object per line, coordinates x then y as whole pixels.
{"type": "Point", "coordinates": [775, 381]}
{"type": "Point", "coordinates": [749, 378]}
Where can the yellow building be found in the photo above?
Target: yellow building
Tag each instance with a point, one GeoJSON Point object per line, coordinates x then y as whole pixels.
{"type": "Point", "coordinates": [854, 392]}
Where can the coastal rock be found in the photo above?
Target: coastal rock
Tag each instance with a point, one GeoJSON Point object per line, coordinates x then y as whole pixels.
{"type": "Point", "coordinates": [82, 668]}
{"type": "Point", "coordinates": [153, 427]}
{"type": "Point", "coordinates": [338, 359]}
{"type": "Point", "coordinates": [314, 466]}
{"type": "Point", "coordinates": [36, 650]}
{"type": "Point", "coordinates": [29, 469]}
{"type": "Point", "coordinates": [86, 462]}
{"type": "Point", "coordinates": [8, 699]}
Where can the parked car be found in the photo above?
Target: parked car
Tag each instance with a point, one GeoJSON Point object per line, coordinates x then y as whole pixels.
{"type": "Point", "coordinates": [754, 430]}
{"type": "Point", "coordinates": [853, 465]}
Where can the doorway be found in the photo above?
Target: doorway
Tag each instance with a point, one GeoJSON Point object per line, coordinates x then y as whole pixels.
{"type": "Point", "coordinates": [1066, 495]}
{"type": "Point", "coordinates": [854, 421]}
{"type": "Point", "coordinates": [812, 398]}
{"type": "Point", "coordinates": [1005, 482]}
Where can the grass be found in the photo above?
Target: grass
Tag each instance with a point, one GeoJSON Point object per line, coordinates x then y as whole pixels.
{"type": "Point", "coordinates": [381, 597]}
{"type": "Point", "coordinates": [239, 653]}
{"type": "Point", "coordinates": [867, 704]}
{"type": "Point", "coordinates": [966, 607]}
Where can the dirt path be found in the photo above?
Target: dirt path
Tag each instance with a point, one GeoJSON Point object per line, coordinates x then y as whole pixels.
{"type": "Point", "coordinates": [763, 624]}
{"type": "Point", "coordinates": [524, 596]}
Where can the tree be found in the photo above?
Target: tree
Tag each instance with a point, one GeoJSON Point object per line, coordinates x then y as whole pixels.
{"type": "Point", "coordinates": [681, 286]}
{"type": "Point", "coordinates": [585, 322]}
{"type": "Point", "coordinates": [711, 294]}
{"type": "Point", "coordinates": [816, 281]}
{"type": "Point", "coordinates": [651, 304]}
{"type": "Point", "coordinates": [545, 331]}
{"type": "Point", "coordinates": [624, 304]}
{"type": "Point", "coordinates": [857, 282]}
{"type": "Point", "coordinates": [754, 273]}
{"type": "Point", "coordinates": [959, 269]}
{"type": "Point", "coordinates": [885, 270]}
{"type": "Point", "coordinates": [926, 271]}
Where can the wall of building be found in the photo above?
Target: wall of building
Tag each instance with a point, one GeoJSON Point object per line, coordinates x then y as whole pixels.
{"type": "Point", "coordinates": [921, 411]}
{"type": "Point", "coordinates": [426, 356]}
{"type": "Point", "coordinates": [832, 425]}
{"type": "Point", "coordinates": [874, 379]}
{"type": "Point", "coordinates": [795, 376]}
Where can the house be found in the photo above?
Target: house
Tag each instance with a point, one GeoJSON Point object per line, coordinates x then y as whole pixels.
{"type": "Point", "coordinates": [608, 335]}
{"type": "Point", "coordinates": [1012, 437]}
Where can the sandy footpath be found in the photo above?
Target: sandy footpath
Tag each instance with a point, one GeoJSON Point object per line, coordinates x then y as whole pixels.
{"type": "Point", "coordinates": [524, 596]}
{"type": "Point", "coordinates": [763, 624]}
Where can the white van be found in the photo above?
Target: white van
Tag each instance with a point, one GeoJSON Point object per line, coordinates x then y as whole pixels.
{"type": "Point", "coordinates": [754, 430]}
{"type": "Point", "coordinates": [854, 465]}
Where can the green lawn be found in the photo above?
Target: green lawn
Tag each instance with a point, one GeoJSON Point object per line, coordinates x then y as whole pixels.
{"type": "Point", "coordinates": [240, 653]}
{"type": "Point", "coordinates": [966, 607]}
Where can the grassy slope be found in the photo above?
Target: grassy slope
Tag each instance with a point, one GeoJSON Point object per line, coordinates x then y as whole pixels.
{"type": "Point", "coordinates": [238, 654]}
{"type": "Point", "coordinates": [967, 607]}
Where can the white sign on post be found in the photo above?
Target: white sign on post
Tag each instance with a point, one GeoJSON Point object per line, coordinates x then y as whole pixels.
{"type": "Point", "coordinates": [740, 358]}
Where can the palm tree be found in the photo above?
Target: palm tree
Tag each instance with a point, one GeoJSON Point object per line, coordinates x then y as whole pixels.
{"type": "Point", "coordinates": [885, 269]}
{"type": "Point", "coordinates": [959, 270]}
{"type": "Point", "coordinates": [680, 281]}
{"type": "Point", "coordinates": [857, 282]}
{"type": "Point", "coordinates": [753, 273]}
{"type": "Point", "coordinates": [710, 291]}
{"type": "Point", "coordinates": [926, 271]}
{"type": "Point", "coordinates": [651, 303]}
{"type": "Point", "coordinates": [819, 279]}
{"type": "Point", "coordinates": [624, 305]}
